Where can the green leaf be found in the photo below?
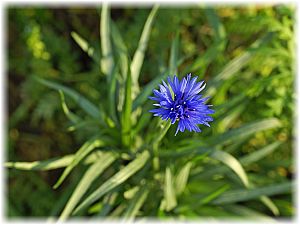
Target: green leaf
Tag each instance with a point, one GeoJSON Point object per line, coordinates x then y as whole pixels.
{"type": "Point", "coordinates": [135, 204]}
{"type": "Point", "coordinates": [246, 160]}
{"type": "Point", "coordinates": [84, 103]}
{"type": "Point", "coordinates": [85, 46]}
{"type": "Point", "coordinates": [259, 154]}
{"type": "Point", "coordinates": [182, 178]}
{"type": "Point", "coordinates": [91, 174]}
{"type": "Point", "coordinates": [246, 194]}
{"type": "Point", "coordinates": [121, 49]}
{"type": "Point", "coordinates": [139, 54]}
{"type": "Point", "coordinates": [246, 212]}
{"type": "Point", "coordinates": [108, 203]}
{"type": "Point", "coordinates": [147, 90]}
{"type": "Point", "coordinates": [218, 28]}
{"type": "Point", "coordinates": [214, 49]}
{"type": "Point", "coordinates": [112, 95]}
{"type": "Point", "coordinates": [161, 132]}
{"type": "Point", "coordinates": [174, 55]}
{"type": "Point", "coordinates": [270, 204]}
{"type": "Point", "coordinates": [71, 116]}
{"type": "Point", "coordinates": [246, 130]}
{"type": "Point", "coordinates": [232, 163]}
{"type": "Point", "coordinates": [86, 124]}
{"type": "Point", "coordinates": [86, 148]}
{"type": "Point", "coordinates": [236, 64]}
{"type": "Point", "coordinates": [107, 61]}
{"type": "Point", "coordinates": [51, 164]}
{"type": "Point", "coordinates": [207, 199]}
{"type": "Point", "coordinates": [116, 180]}
{"type": "Point", "coordinates": [173, 64]}
{"type": "Point", "coordinates": [126, 114]}
{"type": "Point", "coordinates": [199, 64]}
{"type": "Point", "coordinates": [169, 192]}
{"type": "Point", "coordinates": [123, 63]}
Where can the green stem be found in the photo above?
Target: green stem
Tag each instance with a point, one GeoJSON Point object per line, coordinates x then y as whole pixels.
{"type": "Point", "coordinates": [155, 144]}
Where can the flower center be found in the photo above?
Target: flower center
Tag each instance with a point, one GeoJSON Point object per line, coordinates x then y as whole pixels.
{"type": "Point", "coordinates": [180, 109]}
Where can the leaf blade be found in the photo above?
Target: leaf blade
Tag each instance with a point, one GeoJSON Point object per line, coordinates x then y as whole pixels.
{"type": "Point", "coordinates": [247, 194]}
{"type": "Point", "coordinates": [182, 178]}
{"type": "Point", "coordinates": [139, 54]}
{"type": "Point", "coordinates": [85, 149]}
{"type": "Point", "coordinates": [169, 192]}
{"type": "Point", "coordinates": [85, 46]}
{"type": "Point", "coordinates": [107, 61]}
{"type": "Point", "coordinates": [116, 179]}
{"type": "Point", "coordinates": [90, 175]}
{"type": "Point", "coordinates": [84, 103]}
{"type": "Point", "coordinates": [51, 164]}
{"type": "Point", "coordinates": [135, 204]}
{"type": "Point", "coordinates": [232, 163]}
{"type": "Point", "coordinates": [126, 114]}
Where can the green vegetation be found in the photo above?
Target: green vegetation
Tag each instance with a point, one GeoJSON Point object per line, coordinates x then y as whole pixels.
{"type": "Point", "coordinates": [81, 142]}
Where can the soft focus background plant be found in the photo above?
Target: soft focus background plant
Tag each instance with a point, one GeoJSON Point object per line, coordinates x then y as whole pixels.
{"type": "Point", "coordinates": [81, 141]}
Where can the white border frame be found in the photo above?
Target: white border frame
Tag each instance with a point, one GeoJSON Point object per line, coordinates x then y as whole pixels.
{"type": "Point", "coordinates": [58, 3]}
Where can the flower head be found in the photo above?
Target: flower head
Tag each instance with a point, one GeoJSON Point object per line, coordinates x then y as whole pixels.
{"type": "Point", "coordinates": [180, 101]}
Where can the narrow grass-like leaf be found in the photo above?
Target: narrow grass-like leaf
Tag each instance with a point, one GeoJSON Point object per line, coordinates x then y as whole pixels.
{"type": "Point", "coordinates": [207, 199]}
{"type": "Point", "coordinates": [126, 114]}
{"type": "Point", "coordinates": [147, 90]}
{"type": "Point", "coordinates": [182, 178]}
{"type": "Point", "coordinates": [244, 131]}
{"type": "Point", "coordinates": [84, 103]}
{"type": "Point", "coordinates": [174, 55]}
{"type": "Point", "coordinates": [112, 94]}
{"type": "Point", "coordinates": [86, 124]}
{"type": "Point", "coordinates": [236, 64]}
{"type": "Point", "coordinates": [91, 174]}
{"type": "Point", "coordinates": [71, 116]}
{"type": "Point", "coordinates": [139, 54]}
{"type": "Point", "coordinates": [215, 23]}
{"type": "Point", "coordinates": [169, 192]}
{"type": "Point", "coordinates": [116, 180]}
{"type": "Point", "coordinates": [161, 132]}
{"type": "Point", "coordinates": [246, 160]}
{"type": "Point", "coordinates": [259, 154]}
{"type": "Point", "coordinates": [141, 123]}
{"type": "Point", "coordinates": [225, 121]}
{"type": "Point", "coordinates": [51, 164]}
{"type": "Point", "coordinates": [199, 64]}
{"type": "Point", "coordinates": [58, 206]}
{"type": "Point", "coordinates": [86, 148]}
{"type": "Point", "coordinates": [108, 202]}
{"type": "Point", "coordinates": [135, 204]}
{"type": "Point", "coordinates": [232, 163]}
{"type": "Point", "coordinates": [123, 64]}
{"type": "Point", "coordinates": [85, 46]}
{"type": "Point", "coordinates": [270, 204]}
{"type": "Point", "coordinates": [248, 213]}
{"type": "Point", "coordinates": [107, 61]}
{"type": "Point", "coordinates": [116, 213]}
{"type": "Point", "coordinates": [246, 194]}
{"type": "Point", "coordinates": [121, 49]}
{"type": "Point", "coordinates": [173, 64]}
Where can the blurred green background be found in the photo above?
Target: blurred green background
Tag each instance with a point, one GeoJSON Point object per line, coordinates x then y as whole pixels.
{"type": "Point", "coordinates": [39, 43]}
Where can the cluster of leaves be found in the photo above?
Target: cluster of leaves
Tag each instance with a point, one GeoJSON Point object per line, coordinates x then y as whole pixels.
{"type": "Point", "coordinates": [129, 165]}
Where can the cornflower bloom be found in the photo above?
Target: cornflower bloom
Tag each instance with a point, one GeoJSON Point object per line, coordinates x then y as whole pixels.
{"type": "Point", "coordinates": [180, 101]}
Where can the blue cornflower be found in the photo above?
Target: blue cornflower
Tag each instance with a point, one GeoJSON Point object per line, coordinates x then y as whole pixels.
{"type": "Point", "coordinates": [180, 101]}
